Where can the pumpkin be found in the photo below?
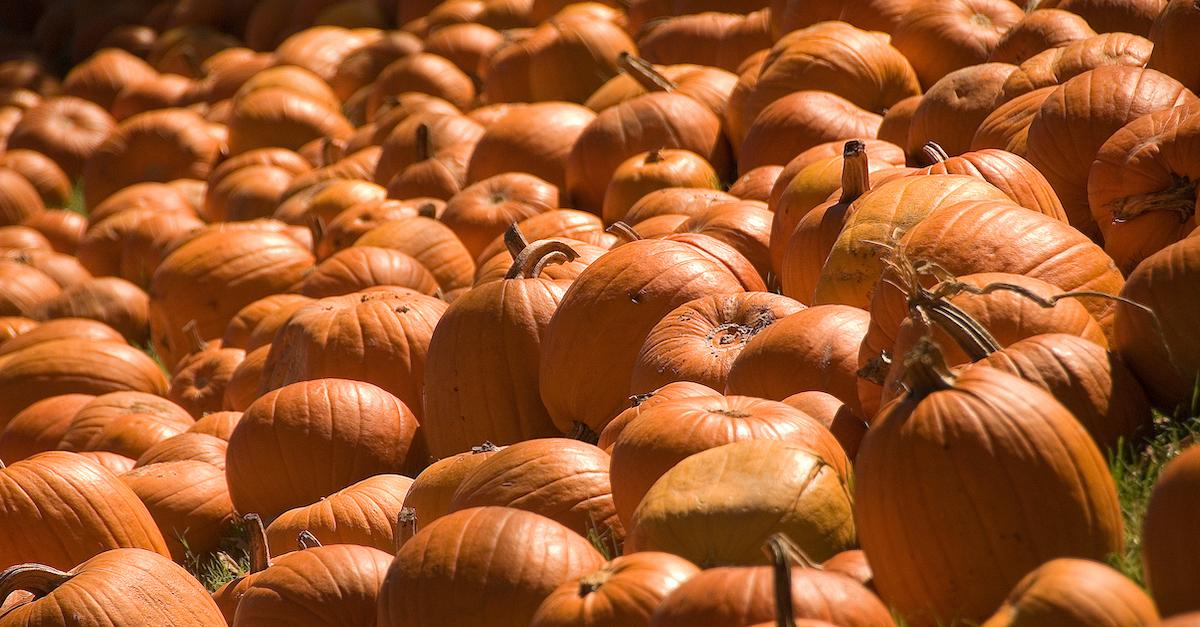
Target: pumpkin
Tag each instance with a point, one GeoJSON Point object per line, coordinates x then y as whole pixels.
{"type": "Point", "coordinates": [654, 120]}
{"type": "Point", "coordinates": [562, 479]}
{"type": "Point", "coordinates": [323, 201]}
{"type": "Point", "coordinates": [428, 497]}
{"type": "Point", "coordinates": [363, 64]}
{"type": "Point", "coordinates": [218, 424]}
{"type": "Point", "coordinates": [12, 326]}
{"type": "Point", "coordinates": [833, 57]}
{"type": "Point", "coordinates": [68, 509]}
{"type": "Point", "coordinates": [42, 172]}
{"type": "Point", "coordinates": [356, 165]}
{"type": "Point", "coordinates": [807, 499]}
{"type": "Point", "coordinates": [61, 227]}
{"type": "Point", "coordinates": [19, 199]}
{"type": "Point", "coordinates": [756, 183]}
{"type": "Point", "coordinates": [199, 382]}
{"type": "Point", "coordinates": [1068, 591]}
{"type": "Point", "coordinates": [484, 552]}
{"type": "Point", "coordinates": [799, 121]}
{"type": "Point", "coordinates": [653, 170]}
{"type": "Point", "coordinates": [571, 57]}
{"type": "Point", "coordinates": [711, 39]}
{"type": "Point", "coordinates": [188, 501]}
{"type": "Point", "coordinates": [699, 340]}
{"type": "Point", "coordinates": [622, 592]}
{"type": "Point", "coordinates": [320, 49]}
{"type": "Point", "coordinates": [250, 192]}
{"type": "Point", "coordinates": [732, 596]}
{"type": "Point", "coordinates": [132, 243]}
{"type": "Point", "coordinates": [103, 75]}
{"type": "Point", "coordinates": [1082, 113]}
{"type": "Point", "coordinates": [1007, 127]}
{"type": "Point", "coordinates": [163, 197]}
{"type": "Point", "coordinates": [497, 266]}
{"type": "Point", "coordinates": [1135, 16]}
{"type": "Point", "coordinates": [376, 336]}
{"type": "Point", "coordinates": [653, 441]}
{"type": "Point", "coordinates": [363, 513]}
{"type": "Point", "coordinates": [243, 386]}
{"type": "Point", "coordinates": [559, 223]}
{"type": "Point", "coordinates": [291, 79]}
{"type": "Point", "coordinates": [129, 434]}
{"type": "Point", "coordinates": [60, 329]}
{"type": "Point", "coordinates": [360, 420]}
{"type": "Point", "coordinates": [277, 117]}
{"type": "Point", "coordinates": [226, 72]}
{"type": "Point", "coordinates": [361, 267]}
{"type": "Point", "coordinates": [668, 392]}
{"type": "Point", "coordinates": [141, 587]}
{"type": "Point", "coordinates": [422, 137]}
{"type": "Point", "coordinates": [678, 201]}
{"type": "Point", "coordinates": [534, 138]}
{"type": "Point", "coordinates": [1157, 347]}
{"type": "Point", "coordinates": [39, 427]}
{"type": "Point", "coordinates": [211, 277]}
{"type": "Point", "coordinates": [480, 213]}
{"type": "Point", "coordinates": [1172, 29]}
{"type": "Point", "coordinates": [1058, 65]}
{"type": "Point", "coordinates": [1040, 30]}
{"type": "Point", "coordinates": [835, 415]}
{"type": "Point", "coordinates": [1140, 187]}
{"type": "Point", "coordinates": [897, 120]}
{"type": "Point", "coordinates": [877, 15]}
{"type": "Point", "coordinates": [941, 38]}
{"type": "Point", "coordinates": [161, 92]}
{"type": "Point", "coordinates": [709, 86]}
{"type": "Point", "coordinates": [89, 423]}
{"type": "Point", "coordinates": [25, 288]}
{"type": "Point", "coordinates": [954, 107]}
{"type": "Point", "coordinates": [1009, 173]}
{"type": "Point", "coordinates": [190, 445]}
{"type": "Point", "coordinates": [64, 128]}
{"type": "Point", "coordinates": [607, 313]}
{"type": "Point", "coordinates": [356, 220]}
{"type": "Point", "coordinates": [425, 73]}
{"type": "Point", "coordinates": [1013, 434]}
{"type": "Point", "coordinates": [160, 146]}
{"type": "Point", "coordinates": [1167, 546]}
{"type": "Point", "coordinates": [20, 241]}
{"type": "Point", "coordinates": [320, 584]}
{"type": "Point", "coordinates": [74, 366]}
{"type": "Point", "coordinates": [115, 302]}
{"type": "Point", "coordinates": [465, 45]}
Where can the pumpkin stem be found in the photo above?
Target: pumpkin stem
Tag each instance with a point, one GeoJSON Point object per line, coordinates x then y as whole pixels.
{"type": "Point", "coordinates": [623, 232]}
{"type": "Point", "coordinates": [583, 433]}
{"type": "Point", "coordinates": [856, 176]}
{"type": "Point", "coordinates": [925, 369]}
{"type": "Point", "coordinates": [427, 210]}
{"type": "Point", "coordinates": [34, 578]}
{"type": "Point", "coordinates": [406, 526]}
{"type": "Point", "coordinates": [316, 224]}
{"type": "Point", "coordinates": [536, 256]}
{"type": "Point", "coordinates": [783, 552]}
{"type": "Point", "coordinates": [592, 582]}
{"type": "Point", "coordinates": [260, 555]}
{"type": "Point", "coordinates": [1180, 198]}
{"type": "Point", "coordinates": [306, 540]}
{"type": "Point", "coordinates": [934, 152]}
{"type": "Point", "coordinates": [193, 332]}
{"type": "Point", "coordinates": [514, 240]}
{"type": "Point", "coordinates": [654, 156]}
{"type": "Point", "coordinates": [424, 142]}
{"type": "Point", "coordinates": [644, 73]}
{"type": "Point", "coordinates": [486, 447]}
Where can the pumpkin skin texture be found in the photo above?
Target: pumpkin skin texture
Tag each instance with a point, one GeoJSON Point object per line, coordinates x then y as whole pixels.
{"type": "Point", "coordinates": [39, 427]}
{"type": "Point", "coordinates": [1094, 384]}
{"type": "Point", "coordinates": [815, 349]}
{"type": "Point", "coordinates": [127, 586]}
{"type": "Point", "coordinates": [536, 137]}
{"type": "Point", "coordinates": [65, 128]}
{"type": "Point", "coordinates": [483, 552]}
{"type": "Point", "coordinates": [60, 509]}
{"type": "Point", "coordinates": [876, 15]}
{"type": "Point", "coordinates": [74, 366]}
{"type": "Point", "coordinates": [199, 382]}
{"type": "Point", "coordinates": [759, 487]}
{"type": "Point", "coordinates": [606, 313]}
{"type": "Point", "coordinates": [699, 340]}
{"type": "Point", "coordinates": [25, 288]}
{"type": "Point", "coordinates": [1172, 31]}
{"type": "Point", "coordinates": [363, 513]}
{"type": "Point", "coordinates": [1141, 186]}
{"type": "Point", "coordinates": [651, 171]}
{"type": "Point", "coordinates": [237, 332]}
{"type": "Point", "coordinates": [941, 37]}
{"type": "Point", "coordinates": [1168, 547]}
{"type": "Point", "coordinates": [656, 440]}
{"type": "Point", "coordinates": [323, 585]}
{"type": "Point", "coordinates": [1075, 592]}
{"type": "Point", "coordinates": [92, 419]}
{"type": "Point", "coordinates": [430, 493]}
{"type": "Point", "coordinates": [218, 424]}
{"type": "Point", "coordinates": [745, 225]}
{"type": "Point", "coordinates": [1007, 126]}
{"type": "Point", "coordinates": [1161, 354]}
{"type": "Point", "coordinates": [1005, 171]}
{"type": "Point", "coordinates": [562, 479]}
{"type": "Point", "coordinates": [361, 429]}
{"type": "Point", "coordinates": [951, 111]}
{"type": "Point", "coordinates": [481, 212]}
{"type": "Point", "coordinates": [210, 278]}
{"type": "Point", "coordinates": [377, 336]}
{"type": "Point", "coordinates": [187, 446]}
{"type": "Point", "coordinates": [1075, 120]}
{"type": "Point", "coordinates": [735, 596]}
{"type": "Point", "coordinates": [639, 402]}
{"type": "Point", "coordinates": [1040, 30]}
{"type": "Point", "coordinates": [835, 415]}
{"type": "Point", "coordinates": [799, 121]}
{"type": "Point", "coordinates": [622, 593]}
{"type": "Point", "coordinates": [188, 500]}
{"type": "Point", "coordinates": [430, 242]}
{"type": "Point", "coordinates": [361, 267]}
{"type": "Point", "coordinates": [986, 432]}
{"type": "Point", "coordinates": [1058, 65]}
{"type": "Point", "coordinates": [1135, 16]}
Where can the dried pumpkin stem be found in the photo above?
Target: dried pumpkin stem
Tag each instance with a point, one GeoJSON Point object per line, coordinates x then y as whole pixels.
{"type": "Point", "coordinates": [925, 369]}
{"type": "Point", "coordinates": [37, 579]}
{"type": "Point", "coordinates": [306, 540]}
{"type": "Point", "coordinates": [592, 582]}
{"type": "Point", "coordinates": [406, 526]}
{"type": "Point", "coordinates": [260, 554]}
{"type": "Point", "coordinates": [424, 142]}
{"type": "Point", "coordinates": [645, 73]}
{"type": "Point", "coordinates": [1180, 198]}
{"type": "Point", "coordinates": [536, 256]}
{"type": "Point", "coordinates": [427, 210]}
{"type": "Point", "coordinates": [623, 231]}
{"type": "Point", "coordinates": [934, 152]}
{"type": "Point", "coordinates": [783, 554]}
{"type": "Point", "coordinates": [654, 156]}
{"type": "Point", "coordinates": [514, 240]}
{"type": "Point", "coordinates": [486, 447]}
{"type": "Point", "coordinates": [583, 433]}
{"type": "Point", "coordinates": [856, 175]}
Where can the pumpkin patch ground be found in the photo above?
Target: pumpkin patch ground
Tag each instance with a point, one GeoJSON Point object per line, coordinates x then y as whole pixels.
{"type": "Point", "coordinates": [599, 313]}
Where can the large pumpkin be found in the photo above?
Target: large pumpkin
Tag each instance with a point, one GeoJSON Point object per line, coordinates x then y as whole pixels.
{"type": "Point", "coordinates": [1168, 546]}
{"type": "Point", "coordinates": [365, 431]}
{"type": "Point", "coordinates": [1075, 592]}
{"type": "Point", "coordinates": [940, 37]}
{"type": "Point", "coordinates": [429, 242]}
{"type": "Point", "coordinates": [487, 553]}
{"type": "Point", "coordinates": [39, 427]}
{"type": "Point", "coordinates": [60, 509]}
{"type": "Point", "coordinates": [606, 314]}
{"type": "Point", "coordinates": [189, 502]}
{"type": "Point", "coordinates": [1008, 172]}
{"type": "Point", "coordinates": [982, 433]}
{"type": "Point", "coordinates": [536, 137]}
{"type": "Point", "coordinates": [953, 108]}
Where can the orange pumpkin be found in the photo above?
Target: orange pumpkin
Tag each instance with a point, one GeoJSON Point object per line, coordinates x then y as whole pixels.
{"type": "Point", "coordinates": [668, 392]}
{"type": "Point", "coordinates": [481, 212]}
{"type": "Point", "coordinates": [1009, 173]}
{"type": "Point", "coordinates": [429, 242]}
{"type": "Point", "coordinates": [1068, 591]}
{"type": "Point", "coordinates": [1058, 65]}
{"type": "Point", "coordinates": [653, 170]}
{"type": "Point", "coordinates": [954, 107]}
{"type": "Point", "coordinates": [103, 75]}
{"type": "Point", "coordinates": [1167, 545]}
{"type": "Point", "coordinates": [363, 513]}
{"type": "Point", "coordinates": [534, 138]}
{"type": "Point", "coordinates": [61, 227]}
{"type": "Point", "coordinates": [722, 40]}
{"type": "Point", "coordinates": [878, 15]}
{"type": "Point", "coordinates": [189, 502]}
{"type": "Point", "coordinates": [1045, 29]}
{"type": "Point", "coordinates": [939, 38]}
{"type": "Point", "coordinates": [115, 302]}
{"type": "Point", "coordinates": [425, 73]}
{"type": "Point", "coordinates": [1172, 29]}
{"type": "Point", "coordinates": [429, 496]}
{"type": "Point", "coordinates": [281, 118]}
{"type": "Point", "coordinates": [1135, 16]}
{"type": "Point", "coordinates": [623, 592]}
{"type": "Point", "coordinates": [361, 267]}
{"type": "Point", "coordinates": [799, 121]}
{"type": "Point", "coordinates": [39, 427]}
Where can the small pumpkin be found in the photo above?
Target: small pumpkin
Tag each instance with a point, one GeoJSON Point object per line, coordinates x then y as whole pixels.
{"type": "Point", "coordinates": [363, 513]}
{"type": "Point", "coordinates": [189, 502]}
{"type": "Point", "coordinates": [428, 497]}
{"type": "Point", "coordinates": [623, 592]}
{"type": "Point", "coordinates": [653, 170]}
{"type": "Point", "coordinates": [535, 138]}
{"type": "Point", "coordinates": [1068, 591]}
{"type": "Point", "coordinates": [1040, 30]}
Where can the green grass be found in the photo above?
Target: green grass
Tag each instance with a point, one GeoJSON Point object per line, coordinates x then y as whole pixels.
{"type": "Point", "coordinates": [76, 203]}
{"type": "Point", "coordinates": [231, 561]}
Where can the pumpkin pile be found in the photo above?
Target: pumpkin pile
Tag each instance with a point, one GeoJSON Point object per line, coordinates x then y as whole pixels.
{"type": "Point", "coordinates": [553, 313]}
